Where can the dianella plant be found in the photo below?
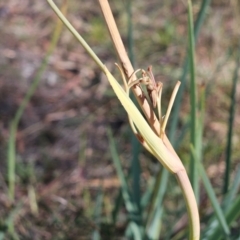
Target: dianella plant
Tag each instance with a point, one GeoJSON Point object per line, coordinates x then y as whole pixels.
{"type": "Point", "coordinates": [150, 128]}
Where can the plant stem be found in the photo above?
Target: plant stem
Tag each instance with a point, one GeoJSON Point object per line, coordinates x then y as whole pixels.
{"type": "Point", "coordinates": [193, 99]}
{"type": "Point", "coordinates": [182, 177]}
{"type": "Point", "coordinates": [76, 35]}
{"type": "Point", "coordinates": [192, 208]}
{"type": "Point", "coordinates": [198, 24]}
{"type": "Point", "coordinates": [126, 64]}
{"type": "Point", "coordinates": [25, 101]}
{"type": "Point", "coordinates": [230, 124]}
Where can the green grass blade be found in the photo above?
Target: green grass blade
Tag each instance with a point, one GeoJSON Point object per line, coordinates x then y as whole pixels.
{"type": "Point", "coordinates": [154, 229]}
{"type": "Point", "coordinates": [229, 198]}
{"type": "Point", "coordinates": [146, 198]}
{"type": "Point", "coordinates": [175, 113]}
{"type": "Point", "coordinates": [117, 204]}
{"type": "Point", "coordinates": [119, 201]}
{"type": "Point", "coordinates": [76, 35]}
{"type": "Point", "coordinates": [154, 217]}
{"type": "Point", "coordinates": [97, 215]}
{"type": "Point", "coordinates": [136, 146]}
{"type": "Point", "coordinates": [133, 231]}
{"type": "Point", "coordinates": [25, 101]}
{"type": "Point", "coordinates": [232, 214]}
{"type": "Point", "coordinates": [199, 137]}
{"type": "Point", "coordinates": [232, 191]}
{"type": "Point", "coordinates": [130, 32]}
{"type": "Point", "coordinates": [157, 197]}
{"type": "Point", "coordinates": [11, 162]}
{"type": "Point", "coordinates": [136, 172]}
{"type": "Point", "coordinates": [211, 195]}
{"type": "Point", "coordinates": [36, 80]}
{"type": "Point", "coordinates": [230, 125]}
{"type": "Point", "coordinates": [9, 221]}
{"type": "Point", "coordinates": [200, 122]}
{"type": "Point", "coordinates": [176, 109]}
{"type": "Point", "coordinates": [164, 175]}
{"type": "Point", "coordinates": [96, 235]}
{"type": "Point", "coordinates": [193, 100]}
{"type": "Point", "coordinates": [130, 206]}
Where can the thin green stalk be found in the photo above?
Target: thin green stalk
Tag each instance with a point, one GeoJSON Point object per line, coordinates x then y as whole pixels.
{"type": "Point", "coordinates": [32, 89]}
{"type": "Point", "coordinates": [193, 99]}
{"type": "Point", "coordinates": [117, 205]}
{"type": "Point", "coordinates": [211, 194]}
{"type": "Point", "coordinates": [154, 228]}
{"type": "Point", "coordinates": [155, 209]}
{"type": "Point", "coordinates": [130, 32]}
{"type": "Point", "coordinates": [230, 125]}
{"type": "Point", "coordinates": [232, 193]}
{"type": "Point", "coordinates": [136, 146]}
{"type": "Point", "coordinates": [165, 174]}
{"type": "Point", "coordinates": [231, 215]}
{"type": "Point", "coordinates": [213, 223]}
{"type": "Point", "coordinates": [19, 113]}
{"type": "Point", "coordinates": [10, 221]}
{"type": "Point", "coordinates": [176, 109]}
{"type": "Point", "coordinates": [76, 35]}
{"type": "Point", "coordinates": [11, 162]}
{"type": "Point", "coordinates": [175, 114]}
{"type": "Point", "coordinates": [130, 205]}
{"type": "Point", "coordinates": [146, 198]}
{"type": "Point", "coordinates": [200, 125]}
{"type": "Point", "coordinates": [97, 215]}
{"type": "Point", "coordinates": [136, 171]}
{"type": "Point", "coordinates": [133, 232]}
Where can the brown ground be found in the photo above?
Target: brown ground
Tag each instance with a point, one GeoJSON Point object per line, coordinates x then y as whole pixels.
{"type": "Point", "coordinates": [62, 148]}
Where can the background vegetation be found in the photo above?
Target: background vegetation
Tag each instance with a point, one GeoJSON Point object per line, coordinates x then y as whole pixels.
{"type": "Point", "coordinates": [64, 184]}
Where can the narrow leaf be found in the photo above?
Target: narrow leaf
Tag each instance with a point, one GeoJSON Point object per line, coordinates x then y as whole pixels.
{"type": "Point", "coordinates": [232, 214]}
{"type": "Point", "coordinates": [230, 124]}
{"type": "Point", "coordinates": [125, 189]}
{"type": "Point", "coordinates": [211, 195]}
{"type": "Point", "coordinates": [193, 99]}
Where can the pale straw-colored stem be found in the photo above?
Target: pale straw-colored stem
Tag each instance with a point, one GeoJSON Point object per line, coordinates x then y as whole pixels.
{"type": "Point", "coordinates": [116, 38]}
{"type": "Point", "coordinates": [76, 35]}
{"type": "Point", "coordinates": [191, 204]}
{"type": "Point", "coordinates": [126, 64]}
{"type": "Point", "coordinates": [152, 119]}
